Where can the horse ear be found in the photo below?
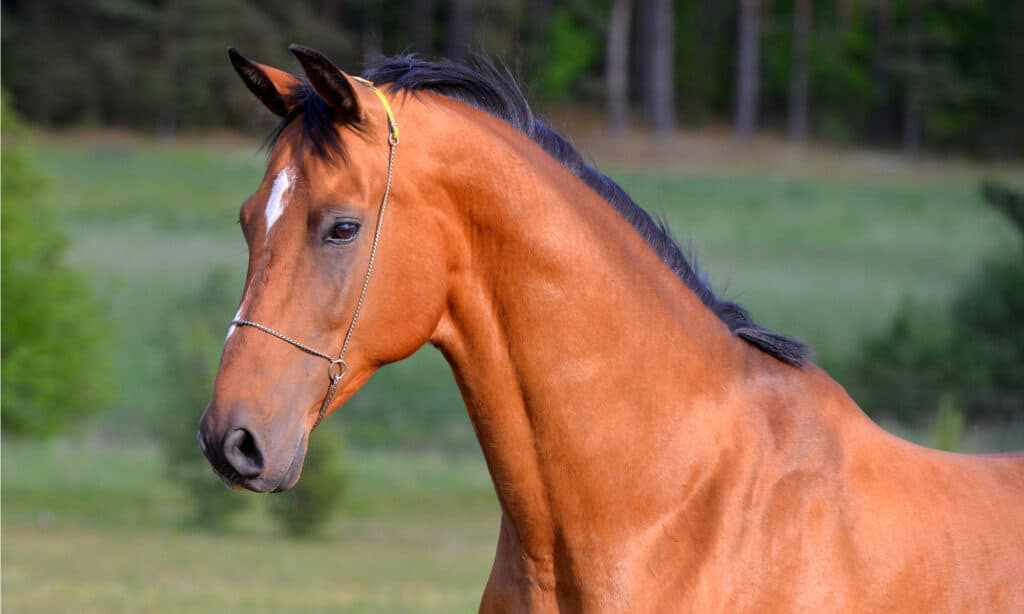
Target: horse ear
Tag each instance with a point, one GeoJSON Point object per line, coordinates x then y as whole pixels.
{"type": "Point", "coordinates": [273, 87]}
{"type": "Point", "coordinates": [327, 80]}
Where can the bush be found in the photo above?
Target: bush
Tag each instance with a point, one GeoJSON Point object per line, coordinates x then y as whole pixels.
{"type": "Point", "coordinates": [906, 369]}
{"type": "Point", "coordinates": [305, 509]}
{"type": "Point", "coordinates": [196, 326]}
{"type": "Point", "coordinates": [55, 352]}
{"type": "Point", "coordinates": [947, 426]}
{"type": "Point", "coordinates": [989, 342]}
{"type": "Point", "coordinates": [974, 354]}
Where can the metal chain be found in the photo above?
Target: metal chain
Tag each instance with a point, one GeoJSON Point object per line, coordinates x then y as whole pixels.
{"type": "Point", "coordinates": [393, 143]}
{"type": "Point", "coordinates": [282, 337]}
{"type": "Point", "coordinates": [338, 368]}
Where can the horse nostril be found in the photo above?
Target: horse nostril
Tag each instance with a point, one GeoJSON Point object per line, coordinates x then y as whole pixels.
{"type": "Point", "coordinates": [243, 453]}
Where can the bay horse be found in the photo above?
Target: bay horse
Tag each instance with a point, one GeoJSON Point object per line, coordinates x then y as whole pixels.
{"type": "Point", "coordinates": [651, 447]}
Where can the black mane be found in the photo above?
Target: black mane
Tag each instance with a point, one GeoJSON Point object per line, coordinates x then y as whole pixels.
{"type": "Point", "coordinates": [483, 85]}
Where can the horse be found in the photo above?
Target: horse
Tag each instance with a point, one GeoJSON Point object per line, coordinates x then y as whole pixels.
{"type": "Point", "coordinates": [651, 447]}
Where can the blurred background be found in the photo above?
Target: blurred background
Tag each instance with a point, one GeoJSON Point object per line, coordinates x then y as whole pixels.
{"type": "Point", "coordinates": [850, 170]}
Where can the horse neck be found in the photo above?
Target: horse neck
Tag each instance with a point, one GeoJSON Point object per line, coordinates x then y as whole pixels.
{"type": "Point", "coordinates": [589, 370]}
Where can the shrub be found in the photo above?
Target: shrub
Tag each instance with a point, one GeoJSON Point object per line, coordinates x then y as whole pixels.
{"type": "Point", "coordinates": [305, 509]}
{"type": "Point", "coordinates": [196, 326]}
{"type": "Point", "coordinates": [989, 341]}
{"type": "Point", "coordinates": [55, 352]}
{"type": "Point", "coordinates": [948, 425]}
{"type": "Point", "coordinates": [906, 369]}
{"type": "Point", "coordinates": [974, 353]}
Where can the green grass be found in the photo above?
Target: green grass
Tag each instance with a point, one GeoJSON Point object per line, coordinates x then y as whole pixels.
{"type": "Point", "coordinates": [97, 528]}
{"type": "Point", "coordinates": [828, 261]}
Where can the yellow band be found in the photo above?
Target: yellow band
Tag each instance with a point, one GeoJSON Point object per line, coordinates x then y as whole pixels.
{"type": "Point", "coordinates": [392, 124]}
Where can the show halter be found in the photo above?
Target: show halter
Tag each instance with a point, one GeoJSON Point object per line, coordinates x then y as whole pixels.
{"type": "Point", "coordinates": [337, 368]}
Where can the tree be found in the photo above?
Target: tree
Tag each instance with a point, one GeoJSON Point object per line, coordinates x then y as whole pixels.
{"type": "Point", "coordinates": [659, 86]}
{"type": "Point", "coordinates": [421, 26]}
{"type": "Point", "coordinates": [56, 362]}
{"type": "Point", "coordinates": [458, 29]}
{"type": "Point", "coordinates": [372, 33]}
{"type": "Point", "coordinates": [799, 60]}
{"type": "Point", "coordinates": [748, 66]}
{"type": "Point", "coordinates": [937, 74]}
{"type": "Point", "coordinates": [572, 48]}
{"type": "Point", "coordinates": [913, 100]}
{"type": "Point", "coordinates": [617, 67]}
{"type": "Point", "coordinates": [882, 17]}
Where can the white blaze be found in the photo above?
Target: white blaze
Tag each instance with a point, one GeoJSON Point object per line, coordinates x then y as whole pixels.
{"type": "Point", "coordinates": [275, 207]}
{"type": "Point", "coordinates": [278, 201]}
{"type": "Point", "coordinates": [232, 328]}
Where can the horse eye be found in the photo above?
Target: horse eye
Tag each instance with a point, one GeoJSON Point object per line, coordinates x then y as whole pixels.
{"type": "Point", "coordinates": [343, 232]}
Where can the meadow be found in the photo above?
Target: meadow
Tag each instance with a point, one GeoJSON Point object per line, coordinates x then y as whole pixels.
{"type": "Point", "coordinates": [91, 524]}
{"type": "Point", "coordinates": [94, 527]}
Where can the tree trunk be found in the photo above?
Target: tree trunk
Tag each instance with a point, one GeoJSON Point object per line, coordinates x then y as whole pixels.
{"type": "Point", "coordinates": [881, 124]}
{"type": "Point", "coordinates": [844, 16]}
{"type": "Point", "coordinates": [617, 67]}
{"type": "Point", "coordinates": [329, 10]}
{"type": "Point", "coordinates": [659, 93]}
{"type": "Point", "coordinates": [534, 42]}
{"type": "Point", "coordinates": [372, 35]}
{"type": "Point", "coordinates": [421, 23]}
{"type": "Point", "coordinates": [1012, 58]}
{"type": "Point", "coordinates": [539, 16]}
{"type": "Point", "coordinates": [167, 116]}
{"type": "Point", "coordinates": [798, 74]}
{"type": "Point", "coordinates": [748, 66]}
{"type": "Point", "coordinates": [915, 85]}
{"type": "Point", "coordinates": [458, 30]}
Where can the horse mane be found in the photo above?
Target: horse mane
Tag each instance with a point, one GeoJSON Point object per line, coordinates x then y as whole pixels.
{"type": "Point", "coordinates": [482, 84]}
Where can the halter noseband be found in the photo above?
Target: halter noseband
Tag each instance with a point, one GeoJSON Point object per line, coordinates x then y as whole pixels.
{"type": "Point", "coordinates": [337, 368]}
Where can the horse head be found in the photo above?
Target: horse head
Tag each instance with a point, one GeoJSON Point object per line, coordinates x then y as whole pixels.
{"type": "Point", "coordinates": [334, 288]}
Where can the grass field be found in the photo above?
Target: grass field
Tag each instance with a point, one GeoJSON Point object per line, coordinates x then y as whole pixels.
{"type": "Point", "coordinates": [92, 528]}
{"type": "Point", "coordinates": [90, 524]}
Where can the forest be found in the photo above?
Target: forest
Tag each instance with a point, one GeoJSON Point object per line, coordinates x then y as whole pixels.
{"type": "Point", "coordinates": [940, 75]}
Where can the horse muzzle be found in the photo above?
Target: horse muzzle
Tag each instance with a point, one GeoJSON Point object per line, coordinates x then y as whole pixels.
{"type": "Point", "coordinates": [244, 459]}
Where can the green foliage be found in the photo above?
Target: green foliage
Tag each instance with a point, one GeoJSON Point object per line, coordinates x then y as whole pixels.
{"type": "Point", "coordinates": [573, 49]}
{"type": "Point", "coordinates": [161, 66]}
{"type": "Point", "coordinates": [842, 88]}
{"type": "Point", "coordinates": [56, 364]}
{"type": "Point", "coordinates": [304, 510]}
{"type": "Point", "coordinates": [192, 336]}
{"type": "Point", "coordinates": [908, 367]}
{"type": "Point", "coordinates": [948, 425]}
{"type": "Point", "coordinates": [157, 66]}
{"type": "Point", "coordinates": [989, 344]}
{"type": "Point", "coordinates": [973, 355]}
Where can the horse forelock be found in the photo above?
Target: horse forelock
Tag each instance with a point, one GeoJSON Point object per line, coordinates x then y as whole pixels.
{"type": "Point", "coordinates": [319, 124]}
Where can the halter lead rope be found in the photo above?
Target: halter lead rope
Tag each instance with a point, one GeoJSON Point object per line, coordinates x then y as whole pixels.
{"type": "Point", "coordinates": [337, 368]}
